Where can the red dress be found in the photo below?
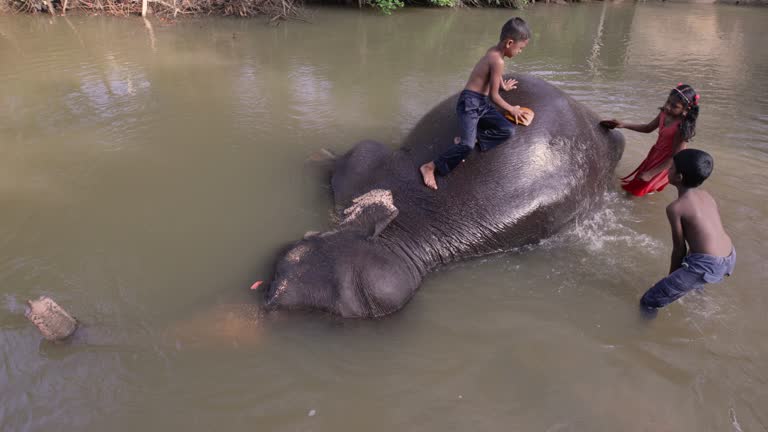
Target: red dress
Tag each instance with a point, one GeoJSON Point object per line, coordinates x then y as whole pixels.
{"type": "Point", "coordinates": [661, 151]}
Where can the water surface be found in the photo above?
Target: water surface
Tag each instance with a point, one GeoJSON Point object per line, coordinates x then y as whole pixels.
{"type": "Point", "coordinates": [150, 174]}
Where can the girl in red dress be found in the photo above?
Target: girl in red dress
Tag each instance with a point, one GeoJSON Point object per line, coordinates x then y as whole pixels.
{"type": "Point", "coordinates": [677, 125]}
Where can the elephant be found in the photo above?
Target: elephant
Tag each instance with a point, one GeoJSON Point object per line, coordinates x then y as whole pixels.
{"type": "Point", "coordinates": [390, 230]}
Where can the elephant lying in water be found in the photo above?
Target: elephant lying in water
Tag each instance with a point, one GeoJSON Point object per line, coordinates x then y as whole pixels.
{"type": "Point", "coordinates": [394, 230]}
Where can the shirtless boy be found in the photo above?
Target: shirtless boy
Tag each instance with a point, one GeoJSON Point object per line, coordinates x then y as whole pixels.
{"type": "Point", "coordinates": [695, 220]}
{"type": "Point", "coordinates": [474, 108]}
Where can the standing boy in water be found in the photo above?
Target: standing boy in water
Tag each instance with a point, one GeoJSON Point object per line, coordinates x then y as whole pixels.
{"type": "Point", "coordinates": [474, 109]}
{"type": "Point", "coordinates": [694, 219]}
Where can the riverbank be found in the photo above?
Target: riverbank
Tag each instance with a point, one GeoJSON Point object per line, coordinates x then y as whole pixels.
{"type": "Point", "coordinates": [275, 9]}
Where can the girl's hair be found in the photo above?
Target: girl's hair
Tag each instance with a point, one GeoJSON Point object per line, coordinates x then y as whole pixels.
{"type": "Point", "coordinates": [687, 97]}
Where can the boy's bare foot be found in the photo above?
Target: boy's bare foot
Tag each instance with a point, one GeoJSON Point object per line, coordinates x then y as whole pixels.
{"type": "Point", "coordinates": [428, 174]}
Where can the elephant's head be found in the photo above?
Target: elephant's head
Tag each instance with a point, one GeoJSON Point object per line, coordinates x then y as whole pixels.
{"type": "Point", "coordinates": [349, 270]}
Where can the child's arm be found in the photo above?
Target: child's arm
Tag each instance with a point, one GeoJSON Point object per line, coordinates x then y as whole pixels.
{"type": "Point", "coordinates": [497, 72]}
{"type": "Point", "coordinates": [679, 248]}
{"type": "Point", "coordinates": [644, 128]}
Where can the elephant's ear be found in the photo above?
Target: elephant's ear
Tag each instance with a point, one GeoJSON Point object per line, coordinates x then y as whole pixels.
{"type": "Point", "coordinates": [369, 213]}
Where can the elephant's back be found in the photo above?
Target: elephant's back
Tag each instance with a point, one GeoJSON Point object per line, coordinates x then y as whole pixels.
{"type": "Point", "coordinates": [555, 113]}
{"type": "Point", "coordinates": [517, 193]}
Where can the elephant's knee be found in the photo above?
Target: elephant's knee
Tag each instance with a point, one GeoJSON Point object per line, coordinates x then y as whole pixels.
{"type": "Point", "coordinates": [354, 172]}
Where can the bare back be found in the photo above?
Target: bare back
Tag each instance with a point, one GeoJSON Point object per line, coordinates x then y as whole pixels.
{"type": "Point", "coordinates": [702, 228]}
{"type": "Point", "coordinates": [480, 79]}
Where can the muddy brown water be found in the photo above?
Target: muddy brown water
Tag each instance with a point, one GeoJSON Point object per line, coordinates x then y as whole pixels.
{"type": "Point", "coordinates": [147, 178]}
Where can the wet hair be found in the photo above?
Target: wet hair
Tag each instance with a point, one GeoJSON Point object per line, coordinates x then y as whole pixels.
{"type": "Point", "coordinates": [694, 165]}
{"type": "Point", "coordinates": [687, 97]}
{"type": "Point", "coordinates": [515, 29]}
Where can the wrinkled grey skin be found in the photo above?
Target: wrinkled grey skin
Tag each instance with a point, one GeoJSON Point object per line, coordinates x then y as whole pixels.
{"type": "Point", "coordinates": [373, 260]}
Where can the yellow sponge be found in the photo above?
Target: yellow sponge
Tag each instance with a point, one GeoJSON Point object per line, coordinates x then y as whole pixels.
{"type": "Point", "coordinates": [523, 121]}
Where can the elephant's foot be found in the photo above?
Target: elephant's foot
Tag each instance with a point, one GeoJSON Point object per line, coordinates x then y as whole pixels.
{"type": "Point", "coordinates": [51, 319]}
{"type": "Point", "coordinates": [428, 174]}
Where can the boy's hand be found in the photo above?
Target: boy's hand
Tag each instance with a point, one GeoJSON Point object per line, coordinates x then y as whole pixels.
{"type": "Point", "coordinates": [518, 114]}
{"type": "Point", "coordinates": [646, 176]}
{"type": "Point", "coordinates": [509, 84]}
{"type": "Point", "coordinates": [612, 124]}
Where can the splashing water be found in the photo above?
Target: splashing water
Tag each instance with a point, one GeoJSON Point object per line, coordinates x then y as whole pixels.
{"type": "Point", "coordinates": [605, 230]}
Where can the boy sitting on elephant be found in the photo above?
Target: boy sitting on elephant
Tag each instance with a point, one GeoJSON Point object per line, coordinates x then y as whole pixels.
{"type": "Point", "coordinates": [474, 108]}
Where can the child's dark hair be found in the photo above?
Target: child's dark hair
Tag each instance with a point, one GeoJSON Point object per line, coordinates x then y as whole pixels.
{"type": "Point", "coordinates": [694, 165]}
{"type": "Point", "coordinates": [515, 29]}
{"type": "Point", "coordinates": [687, 97]}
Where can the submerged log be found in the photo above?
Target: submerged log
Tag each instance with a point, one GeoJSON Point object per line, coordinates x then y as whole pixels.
{"type": "Point", "coordinates": [51, 319]}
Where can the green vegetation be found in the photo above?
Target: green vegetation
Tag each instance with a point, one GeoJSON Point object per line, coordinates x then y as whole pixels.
{"type": "Point", "coordinates": [388, 6]}
{"type": "Point", "coordinates": [443, 3]}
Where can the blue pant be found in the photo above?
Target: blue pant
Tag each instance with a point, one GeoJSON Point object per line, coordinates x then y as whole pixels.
{"type": "Point", "coordinates": [696, 271]}
{"type": "Point", "coordinates": [479, 121]}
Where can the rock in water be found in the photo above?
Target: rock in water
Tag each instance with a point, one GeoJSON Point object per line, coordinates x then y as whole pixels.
{"type": "Point", "coordinates": [53, 322]}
